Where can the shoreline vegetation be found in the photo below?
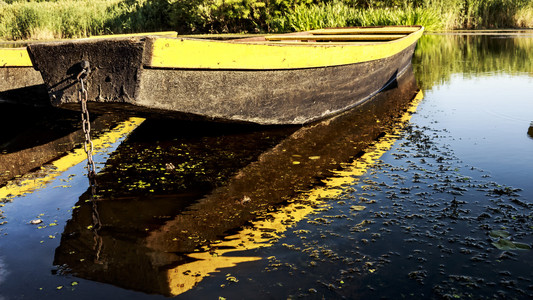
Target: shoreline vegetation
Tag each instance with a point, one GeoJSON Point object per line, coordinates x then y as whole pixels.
{"type": "Point", "coordinates": [56, 19]}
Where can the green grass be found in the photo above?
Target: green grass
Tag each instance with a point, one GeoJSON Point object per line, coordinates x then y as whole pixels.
{"type": "Point", "coordinates": [35, 19]}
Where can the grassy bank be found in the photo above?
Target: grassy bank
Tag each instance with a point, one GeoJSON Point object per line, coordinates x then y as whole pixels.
{"type": "Point", "coordinates": [36, 19]}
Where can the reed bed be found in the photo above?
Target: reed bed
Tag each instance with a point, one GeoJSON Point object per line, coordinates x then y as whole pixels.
{"type": "Point", "coordinates": [340, 15]}
{"type": "Point", "coordinates": [34, 19]}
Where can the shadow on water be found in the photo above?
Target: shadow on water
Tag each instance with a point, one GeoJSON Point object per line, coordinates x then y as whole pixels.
{"type": "Point", "coordinates": [39, 134]}
{"type": "Point", "coordinates": [175, 187]}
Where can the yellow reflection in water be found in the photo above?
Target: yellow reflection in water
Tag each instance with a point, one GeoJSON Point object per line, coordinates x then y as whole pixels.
{"type": "Point", "coordinates": [265, 232]}
{"type": "Point", "coordinates": [31, 182]}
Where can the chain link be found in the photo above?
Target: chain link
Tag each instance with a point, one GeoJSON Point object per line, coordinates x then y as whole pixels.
{"type": "Point", "coordinates": [86, 125]}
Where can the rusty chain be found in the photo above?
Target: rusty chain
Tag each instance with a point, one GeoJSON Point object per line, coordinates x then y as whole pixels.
{"type": "Point", "coordinates": [85, 120]}
{"type": "Point", "coordinates": [89, 148]}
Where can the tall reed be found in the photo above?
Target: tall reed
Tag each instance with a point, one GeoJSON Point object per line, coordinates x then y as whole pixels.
{"type": "Point", "coordinates": [492, 13]}
{"type": "Point", "coordinates": [48, 20]}
{"type": "Point", "coordinates": [337, 14]}
{"type": "Point", "coordinates": [524, 16]}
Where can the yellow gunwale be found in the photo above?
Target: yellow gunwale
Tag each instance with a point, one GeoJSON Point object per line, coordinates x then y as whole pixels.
{"type": "Point", "coordinates": [367, 30]}
{"type": "Point", "coordinates": [336, 37]}
{"type": "Point", "coordinates": [186, 53]}
{"type": "Point", "coordinates": [14, 57]}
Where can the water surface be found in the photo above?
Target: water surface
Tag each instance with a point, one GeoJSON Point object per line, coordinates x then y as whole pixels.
{"type": "Point", "coordinates": [436, 204]}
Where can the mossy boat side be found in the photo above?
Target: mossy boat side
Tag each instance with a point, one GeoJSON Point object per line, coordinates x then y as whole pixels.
{"type": "Point", "coordinates": [292, 78]}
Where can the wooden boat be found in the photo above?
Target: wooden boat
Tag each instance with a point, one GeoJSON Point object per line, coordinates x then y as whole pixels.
{"type": "Point", "coordinates": [292, 78]}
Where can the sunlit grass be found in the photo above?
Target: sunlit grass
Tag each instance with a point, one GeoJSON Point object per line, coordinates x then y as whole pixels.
{"type": "Point", "coordinates": [48, 20]}
{"type": "Point", "coordinates": [524, 16]}
{"type": "Point", "coordinates": [340, 15]}
{"type": "Point", "coordinates": [433, 15]}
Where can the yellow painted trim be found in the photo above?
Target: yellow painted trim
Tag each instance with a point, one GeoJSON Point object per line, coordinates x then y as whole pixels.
{"type": "Point", "coordinates": [207, 54]}
{"type": "Point", "coordinates": [299, 43]}
{"type": "Point", "coordinates": [335, 37]}
{"type": "Point", "coordinates": [369, 30]}
{"type": "Point", "coordinates": [14, 57]}
{"type": "Point", "coordinates": [31, 182]}
{"type": "Point", "coordinates": [185, 277]}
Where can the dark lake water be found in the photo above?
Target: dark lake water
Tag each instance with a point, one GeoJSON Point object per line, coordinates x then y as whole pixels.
{"type": "Point", "coordinates": [400, 198]}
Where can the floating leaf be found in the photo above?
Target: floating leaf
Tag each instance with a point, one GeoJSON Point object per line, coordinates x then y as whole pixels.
{"type": "Point", "coordinates": [504, 244]}
{"type": "Point", "coordinates": [522, 246]}
{"type": "Point", "coordinates": [499, 234]}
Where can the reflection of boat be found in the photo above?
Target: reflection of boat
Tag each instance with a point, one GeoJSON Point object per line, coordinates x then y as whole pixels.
{"type": "Point", "coordinates": [19, 81]}
{"type": "Point", "coordinates": [62, 160]}
{"type": "Point", "coordinates": [284, 79]}
{"type": "Point", "coordinates": [138, 236]}
{"type": "Point", "coordinates": [38, 135]}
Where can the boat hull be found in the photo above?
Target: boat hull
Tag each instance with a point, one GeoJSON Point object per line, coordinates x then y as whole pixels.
{"type": "Point", "coordinates": [295, 96]}
{"type": "Point", "coordinates": [128, 75]}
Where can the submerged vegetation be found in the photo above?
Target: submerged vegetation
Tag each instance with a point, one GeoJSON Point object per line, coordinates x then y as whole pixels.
{"type": "Point", "coordinates": [41, 19]}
